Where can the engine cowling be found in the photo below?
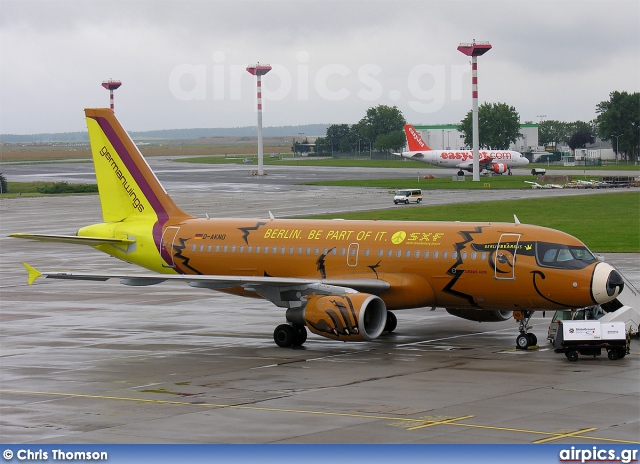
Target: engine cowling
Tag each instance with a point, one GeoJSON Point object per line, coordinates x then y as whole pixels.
{"type": "Point", "coordinates": [500, 168]}
{"type": "Point", "coordinates": [350, 317]}
{"type": "Point", "coordinates": [481, 315]}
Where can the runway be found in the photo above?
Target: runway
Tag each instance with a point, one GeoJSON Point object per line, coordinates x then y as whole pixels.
{"type": "Point", "coordinates": [85, 362]}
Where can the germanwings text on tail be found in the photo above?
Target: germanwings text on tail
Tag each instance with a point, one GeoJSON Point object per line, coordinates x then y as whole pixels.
{"type": "Point", "coordinates": [338, 279]}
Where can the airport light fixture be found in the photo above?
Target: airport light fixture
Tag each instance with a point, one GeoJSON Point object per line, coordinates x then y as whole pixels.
{"type": "Point", "coordinates": [617, 137]}
{"type": "Point", "coordinates": [259, 70]}
{"type": "Point", "coordinates": [111, 85]}
{"type": "Point", "coordinates": [474, 50]}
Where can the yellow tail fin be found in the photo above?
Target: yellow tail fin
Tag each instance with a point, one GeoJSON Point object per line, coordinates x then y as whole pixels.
{"type": "Point", "coordinates": [128, 188]}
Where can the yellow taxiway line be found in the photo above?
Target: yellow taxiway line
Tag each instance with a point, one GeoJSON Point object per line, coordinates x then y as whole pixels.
{"type": "Point", "coordinates": [411, 424]}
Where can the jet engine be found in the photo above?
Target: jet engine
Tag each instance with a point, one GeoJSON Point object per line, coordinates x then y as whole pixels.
{"type": "Point", "coordinates": [481, 315]}
{"type": "Point", "coordinates": [349, 317]}
{"type": "Point", "coordinates": [500, 168]}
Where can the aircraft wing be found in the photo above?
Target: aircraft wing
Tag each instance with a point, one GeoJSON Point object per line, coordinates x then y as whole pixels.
{"type": "Point", "coordinates": [73, 239]}
{"type": "Point", "coordinates": [275, 289]}
{"type": "Point", "coordinates": [483, 164]}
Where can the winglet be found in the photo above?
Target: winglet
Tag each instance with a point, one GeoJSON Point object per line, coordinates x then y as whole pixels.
{"type": "Point", "coordinates": [33, 273]}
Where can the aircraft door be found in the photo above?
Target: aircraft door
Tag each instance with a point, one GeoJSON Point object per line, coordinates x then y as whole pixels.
{"type": "Point", "coordinates": [168, 237]}
{"type": "Point", "coordinates": [352, 254]}
{"type": "Point", "coordinates": [504, 258]}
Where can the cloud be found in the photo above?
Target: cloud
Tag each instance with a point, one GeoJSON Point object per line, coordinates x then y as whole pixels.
{"type": "Point", "coordinates": [331, 59]}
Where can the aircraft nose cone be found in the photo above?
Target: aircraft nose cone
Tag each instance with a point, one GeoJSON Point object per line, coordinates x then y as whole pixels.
{"type": "Point", "coordinates": [606, 284]}
{"type": "Point", "coordinates": [615, 283]}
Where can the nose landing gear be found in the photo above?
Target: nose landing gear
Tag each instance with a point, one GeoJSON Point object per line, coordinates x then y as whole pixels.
{"type": "Point", "coordinates": [525, 339]}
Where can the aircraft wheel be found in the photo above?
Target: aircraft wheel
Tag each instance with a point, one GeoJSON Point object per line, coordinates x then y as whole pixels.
{"type": "Point", "coordinates": [533, 340]}
{"type": "Point", "coordinates": [572, 355]}
{"type": "Point", "coordinates": [300, 335]}
{"type": "Point", "coordinates": [612, 355]}
{"type": "Point", "coordinates": [284, 335]}
{"type": "Point", "coordinates": [392, 322]}
{"type": "Point", "coordinates": [460, 173]}
{"type": "Point", "coordinates": [522, 342]}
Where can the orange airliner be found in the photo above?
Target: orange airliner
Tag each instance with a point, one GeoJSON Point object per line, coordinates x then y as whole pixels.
{"type": "Point", "coordinates": [340, 279]}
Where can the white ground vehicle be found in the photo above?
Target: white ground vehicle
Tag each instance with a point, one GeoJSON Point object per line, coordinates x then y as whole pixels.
{"type": "Point", "coordinates": [407, 195]}
{"type": "Point", "coordinates": [589, 338]}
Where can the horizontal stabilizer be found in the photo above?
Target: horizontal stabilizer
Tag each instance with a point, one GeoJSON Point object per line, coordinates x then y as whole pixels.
{"type": "Point", "coordinates": [75, 240]}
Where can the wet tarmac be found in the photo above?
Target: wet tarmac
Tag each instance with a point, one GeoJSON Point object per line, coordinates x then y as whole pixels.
{"type": "Point", "coordinates": [84, 362]}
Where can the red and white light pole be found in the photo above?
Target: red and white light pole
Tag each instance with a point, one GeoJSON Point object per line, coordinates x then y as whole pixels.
{"type": "Point", "coordinates": [259, 70]}
{"type": "Point", "coordinates": [111, 85]}
{"type": "Point", "coordinates": [474, 50]}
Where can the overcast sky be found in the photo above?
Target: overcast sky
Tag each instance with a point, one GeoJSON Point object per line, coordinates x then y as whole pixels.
{"type": "Point", "coordinates": [182, 63]}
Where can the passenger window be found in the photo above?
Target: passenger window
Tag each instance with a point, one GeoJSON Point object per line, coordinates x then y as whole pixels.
{"type": "Point", "coordinates": [274, 250]}
{"type": "Point", "coordinates": [399, 253]}
{"type": "Point", "coordinates": [233, 248]}
{"type": "Point", "coordinates": [308, 250]}
{"type": "Point", "coordinates": [193, 248]}
{"type": "Point", "coordinates": [454, 255]}
{"type": "Point", "coordinates": [366, 252]}
{"type": "Point", "coordinates": [209, 249]}
{"type": "Point", "coordinates": [241, 249]}
{"type": "Point", "coordinates": [257, 249]}
{"type": "Point", "coordinates": [474, 255]}
{"type": "Point", "coordinates": [390, 253]}
{"type": "Point", "coordinates": [483, 256]}
{"type": "Point", "coordinates": [224, 250]}
{"type": "Point", "coordinates": [248, 249]}
{"type": "Point", "coordinates": [445, 254]}
{"type": "Point", "coordinates": [282, 250]}
{"type": "Point", "coordinates": [380, 253]}
{"type": "Point", "coordinates": [408, 254]}
{"type": "Point", "coordinates": [426, 254]}
{"type": "Point", "coordinates": [417, 254]}
{"type": "Point", "coordinates": [218, 248]}
{"type": "Point", "coordinates": [299, 250]}
{"type": "Point", "coordinates": [435, 255]}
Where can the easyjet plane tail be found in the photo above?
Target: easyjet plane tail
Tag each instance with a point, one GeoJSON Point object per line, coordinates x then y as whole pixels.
{"type": "Point", "coordinates": [414, 140]}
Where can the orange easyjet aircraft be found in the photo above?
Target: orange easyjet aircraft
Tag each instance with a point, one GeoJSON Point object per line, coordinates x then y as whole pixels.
{"type": "Point", "coordinates": [339, 279]}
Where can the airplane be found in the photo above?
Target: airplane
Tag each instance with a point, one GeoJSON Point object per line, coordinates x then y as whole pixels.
{"type": "Point", "coordinates": [341, 279]}
{"type": "Point", "coordinates": [496, 161]}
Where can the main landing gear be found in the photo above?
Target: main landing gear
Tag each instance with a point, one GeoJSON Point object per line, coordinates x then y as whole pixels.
{"type": "Point", "coordinates": [525, 339]}
{"type": "Point", "coordinates": [287, 335]}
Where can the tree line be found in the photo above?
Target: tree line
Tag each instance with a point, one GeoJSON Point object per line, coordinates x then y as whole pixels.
{"type": "Point", "coordinates": [381, 129]}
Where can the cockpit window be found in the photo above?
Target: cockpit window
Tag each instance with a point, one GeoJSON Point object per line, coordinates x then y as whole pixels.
{"type": "Point", "coordinates": [562, 256]}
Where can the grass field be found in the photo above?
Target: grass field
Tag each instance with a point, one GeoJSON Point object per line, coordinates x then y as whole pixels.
{"type": "Point", "coordinates": [605, 223]}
